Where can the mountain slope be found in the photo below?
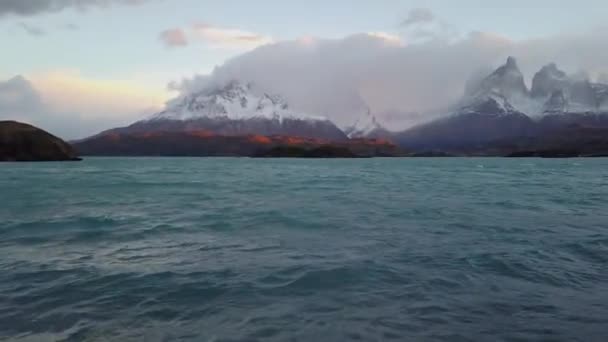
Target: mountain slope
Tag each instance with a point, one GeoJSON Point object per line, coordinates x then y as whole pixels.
{"type": "Point", "coordinates": [484, 115]}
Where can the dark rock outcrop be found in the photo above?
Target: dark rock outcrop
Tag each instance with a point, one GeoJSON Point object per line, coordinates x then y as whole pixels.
{"type": "Point", "coordinates": [23, 142]}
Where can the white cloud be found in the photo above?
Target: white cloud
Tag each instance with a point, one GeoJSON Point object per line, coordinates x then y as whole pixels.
{"type": "Point", "coordinates": [389, 38]}
{"type": "Point", "coordinates": [229, 37]}
{"type": "Point", "coordinates": [214, 37]}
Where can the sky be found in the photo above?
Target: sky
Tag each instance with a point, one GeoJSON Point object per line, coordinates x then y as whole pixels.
{"type": "Point", "coordinates": [77, 67]}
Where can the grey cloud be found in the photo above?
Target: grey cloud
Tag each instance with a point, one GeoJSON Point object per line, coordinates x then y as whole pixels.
{"type": "Point", "coordinates": [33, 7]}
{"type": "Point", "coordinates": [32, 30]}
{"type": "Point", "coordinates": [418, 16]}
{"type": "Point", "coordinates": [18, 98]}
{"type": "Point", "coordinates": [70, 27]}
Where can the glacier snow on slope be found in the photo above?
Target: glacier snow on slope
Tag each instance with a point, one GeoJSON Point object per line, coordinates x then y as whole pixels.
{"type": "Point", "coordinates": [234, 101]}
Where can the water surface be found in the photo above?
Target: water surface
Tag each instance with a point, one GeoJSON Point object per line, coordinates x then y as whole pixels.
{"type": "Point", "coordinates": [155, 249]}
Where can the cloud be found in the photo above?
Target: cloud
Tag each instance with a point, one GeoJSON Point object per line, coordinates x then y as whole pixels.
{"type": "Point", "coordinates": [34, 7]}
{"type": "Point", "coordinates": [174, 37]}
{"type": "Point", "coordinates": [403, 84]}
{"type": "Point", "coordinates": [71, 106]}
{"type": "Point", "coordinates": [341, 78]}
{"type": "Point", "coordinates": [388, 38]}
{"type": "Point", "coordinates": [69, 27]}
{"type": "Point", "coordinates": [418, 16]}
{"type": "Point", "coordinates": [214, 37]}
{"type": "Point", "coordinates": [18, 96]}
{"type": "Point", "coordinates": [229, 37]}
{"type": "Point", "coordinates": [32, 30]}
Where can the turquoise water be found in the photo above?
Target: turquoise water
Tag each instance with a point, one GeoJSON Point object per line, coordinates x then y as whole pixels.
{"type": "Point", "coordinates": [157, 249]}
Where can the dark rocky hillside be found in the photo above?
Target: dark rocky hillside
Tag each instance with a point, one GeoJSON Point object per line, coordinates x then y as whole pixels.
{"type": "Point", "coordinates": [23, 142]}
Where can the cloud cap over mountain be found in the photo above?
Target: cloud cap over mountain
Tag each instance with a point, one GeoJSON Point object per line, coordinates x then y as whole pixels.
{"type": "Point", "coordinates": [339, 77]}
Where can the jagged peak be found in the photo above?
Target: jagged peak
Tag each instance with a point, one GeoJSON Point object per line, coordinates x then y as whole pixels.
{"type": "Point", "coordinates": [365, 125]}
{"type": "Point", "coordinates": [553, 70]}
{"type": "Point", "coordinates": [511, 62]}
{"type": "Point", "coordinates": [509, 68]}
{"type": "Point", "coordinates": [547, 80]}
{"type": "Point", "coordinates": [506, 82]}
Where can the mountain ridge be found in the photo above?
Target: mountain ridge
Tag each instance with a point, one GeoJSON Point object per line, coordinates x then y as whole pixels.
{"type": "Point", "coordinates": [501, 108]}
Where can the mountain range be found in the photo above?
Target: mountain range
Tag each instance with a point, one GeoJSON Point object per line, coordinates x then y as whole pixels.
{"type": "Point", "coordinates": [501, 115]}
{"type": "Point", "coordinates": [498, 115]}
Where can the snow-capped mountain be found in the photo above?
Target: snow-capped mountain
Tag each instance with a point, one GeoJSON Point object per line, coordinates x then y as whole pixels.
{"type": "Point", "coordinates": [552, 92]}
{"type": "Point", "coordinates": [500, 108]}
{"type": "Point", "coordinates": [234, 101]}
{"type": "Point", "coordinates": [237, 109]}
{"type": "Point", "coordinates": [565, 94]}
{"type": "Point", "coordinates": [548, 80]}
{"type": "Point", "coordinates": [365, 126]}
{"type": "Point", "coordinates": [507, 80]}
{"type": "Point", "coordinates": [503, 92]}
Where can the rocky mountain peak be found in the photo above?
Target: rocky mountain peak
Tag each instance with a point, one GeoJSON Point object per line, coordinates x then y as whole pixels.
{"type": "Point", "coordinates": [549, 79]}
{"type": "Point", "coordinates": [511, 63]}
{"type": "Point", "coordinates": [507, 80]}
{"type": "Point", "coordinates": [364, 126]}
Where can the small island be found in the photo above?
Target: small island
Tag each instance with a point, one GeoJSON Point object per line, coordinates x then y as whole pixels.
{"type": "Point", "coordinates": [23, 142]}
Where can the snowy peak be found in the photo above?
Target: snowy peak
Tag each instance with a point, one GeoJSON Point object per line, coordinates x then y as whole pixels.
{"type": "Point", "coordinates": [232, 101]}
{"type": "Point", "coordinates": [364, 126]}
{"type": "Point", "coordinates": [567, 94]}
{"type": "Point", "coordinates": [553, 92]}
{"type": "Point", "coordinates": [507, 81]}
{"type": "Point", "coordinates": [236, 109]}
{"type": "Point", "coordinates": [502, 92]}
{"type": "Point", "coordinates": [511, 63]}
{"type": "Point", "coordinates": [548, 80]}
